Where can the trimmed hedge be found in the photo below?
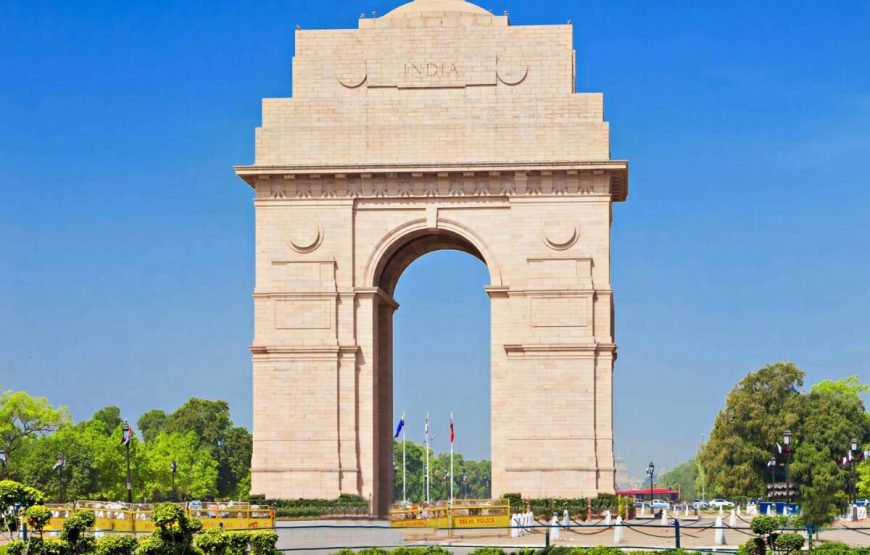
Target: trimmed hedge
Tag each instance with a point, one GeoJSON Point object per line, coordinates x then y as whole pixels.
{"type": "Point", "coordinates": [576, 507]}
{"type": "Point", "coordinates": [211, 542]}
{"type": "Point", "coordinates": [345, 505]}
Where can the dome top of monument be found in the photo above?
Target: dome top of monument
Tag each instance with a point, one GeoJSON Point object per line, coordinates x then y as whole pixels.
{"type": "Point", "coordinates": [423, 7]}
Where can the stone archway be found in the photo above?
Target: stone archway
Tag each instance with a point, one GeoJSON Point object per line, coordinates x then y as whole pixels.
{"type": "Point", "coordinates": [375, 162]}
{"type": "Point", "coordinates": [392, 261]}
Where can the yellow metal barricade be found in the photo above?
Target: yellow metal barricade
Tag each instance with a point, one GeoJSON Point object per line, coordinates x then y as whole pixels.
{"type": "Point", "coordinates": [463, 514]}
{"type": "Point", "coordinates": [121, 517]}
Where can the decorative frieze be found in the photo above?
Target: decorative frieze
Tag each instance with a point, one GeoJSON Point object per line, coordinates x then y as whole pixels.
{"type": "Point", "coordinates": [432, 185]}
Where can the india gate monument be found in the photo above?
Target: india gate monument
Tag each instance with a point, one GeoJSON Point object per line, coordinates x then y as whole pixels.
{"type": "Point", "coordinates": [436, 126]}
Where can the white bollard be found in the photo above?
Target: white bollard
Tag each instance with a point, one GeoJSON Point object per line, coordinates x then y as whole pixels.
{"type": "Point", "coordinates": [608, 518]}
{"type": "Point", "coordinates": [566, 519]}
{"type": "Point", "coordinates": [618, 531]}
{"type": "Point", "coordinates": [642, 509]}
{"type": "Point", "coordinates": [554, 527]}
{"type": "Point", "coordinates": [732, 520]}
{"type": "Point", "coordinates": [664, 517]}
{"type": "Point", "coordinates": [719, 536]}
{"type": "Point", "coordinates": [515, 532]}
{"type": "Point", "coordinates": [721, 510]}
{"type": "Point", "coordinates": [738, 511]}
{"type": "Point", "coordinates": [686, 512]}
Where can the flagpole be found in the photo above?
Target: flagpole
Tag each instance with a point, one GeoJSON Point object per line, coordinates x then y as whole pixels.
{"type": "Point", "coordinates": [404, 463]}
{"type": "Point", "coordinates": [427, 457]}
{"type": "Point", "coordinates": [451, 459]}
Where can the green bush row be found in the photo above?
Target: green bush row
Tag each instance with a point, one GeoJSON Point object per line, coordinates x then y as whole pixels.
{"type": "Point", "coordinates": [211, 542]}
{"type": "Point", "coordinates": [311, 508]}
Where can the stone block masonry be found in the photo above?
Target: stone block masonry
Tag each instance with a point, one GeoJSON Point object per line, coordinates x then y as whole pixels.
{"type": "Point", "coordinates": [436, 126]}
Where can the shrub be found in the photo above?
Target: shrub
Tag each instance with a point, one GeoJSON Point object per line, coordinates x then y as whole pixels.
{"type": "Point", "coordinates": [151, 545]}
{"type": "Point", "coordinates": [488, 551]}
{"type": "Point", "coordinates": [755, 546]}
{"type": "Point", "coordinates": [175, 531]}
{"type": "Point", "coordinates": [37, 546]}
{"type": "Point", "coordinates": [310, 508]}
{"type": "Point", "coordinates": [237, 542]}
{"type": "Point", "coordinates": [832, 548]}
{"type": "Point", "coordinates": [117, 544]}
{"type": "Point", "coordinates": [212, 542]}
{"type": "Point", "coordinates": [602, 551]}
{"type": "Point", "coordinates": [789, 542]}
{"type": "Point", "coordinates": [74, 532]}
{"type": "Point", "coordinates": [372, 551]}
{"type": "Point", "coordinates": [263, 542]}
{"type": "Point", "coordinates": [37, 517]}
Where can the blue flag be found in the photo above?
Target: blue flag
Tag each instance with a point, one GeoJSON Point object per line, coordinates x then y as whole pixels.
{"type": "Point", "coordinates": [400, 426]}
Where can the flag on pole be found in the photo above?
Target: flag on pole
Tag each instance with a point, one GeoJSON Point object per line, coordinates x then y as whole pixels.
{"type": "Point", "coordinates": [400, 426]}
{"type": "Point", "coordinates": [452, 433]}
{"type": "Point", "coordinates": [127, 434]}
{"type": "Point", "coordinates": [778, 448]}
{"type": "Point", "coordinates": [59, 463]}
{"type": "Point", "coordinates": [426, 428]}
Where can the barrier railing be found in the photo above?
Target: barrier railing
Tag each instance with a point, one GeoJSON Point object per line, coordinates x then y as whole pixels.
{"type": "Point", "coordinates": [121, 517]}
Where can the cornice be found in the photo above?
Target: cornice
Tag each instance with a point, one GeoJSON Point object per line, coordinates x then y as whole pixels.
{"type": "Point", "coordinates": [519, 179]}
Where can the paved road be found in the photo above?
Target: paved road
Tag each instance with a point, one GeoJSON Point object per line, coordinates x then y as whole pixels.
{"type": "Point", "coordinates": [328, 536]}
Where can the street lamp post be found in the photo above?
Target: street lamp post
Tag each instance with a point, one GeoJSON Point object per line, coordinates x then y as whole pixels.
{"type": "Point", "coordinates": [173, 467]}
{"type": "Point", "coordinates": [771, 466]}
{"type": "Point", "coordinates": [650, 470]}
{"type": "Point", "coordinates": [786, 441]}
{"type": "Point", "coordinates": [127, 439]}
{"type": "Point", "coordinates": [852, 474]}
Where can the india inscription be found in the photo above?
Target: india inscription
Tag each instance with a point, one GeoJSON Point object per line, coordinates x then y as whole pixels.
{"type": "Point", "coordinates": [422, 146]}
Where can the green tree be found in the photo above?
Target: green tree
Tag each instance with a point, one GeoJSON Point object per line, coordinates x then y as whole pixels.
{"type": "Point", "coordinates": [846, 387]}
{"type": "Point", "coordinates": [864, 478]}
{"type": "Point", "coordinates": [23, 417]}
{"type": "Point", "coordinates": [756, 412]}
{"type": "Point", "coordinates": [209, 420]}
{"type": "Point", "coordinates": [151, 423]}
{"type": "Point", "coordinates": [821, 484]}
{"type": "Point", "coordinates": [230, 446]}
{"type": "Point", "coordinates": [109, 417]}
{"type": "Point", "coordinates": [95, 463]}
{"type": "Point", "coordinates": [234, 463]}
{"type": "Point", "coordinates": [833, 414]}
{"type": "Point", "coordinates": [684, 477]}
{"type": "Point", "coordinates": [197, 470]}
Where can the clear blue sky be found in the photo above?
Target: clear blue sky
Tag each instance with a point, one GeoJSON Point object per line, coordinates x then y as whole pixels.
{"type": "Point", "coordinates": [126, 255]}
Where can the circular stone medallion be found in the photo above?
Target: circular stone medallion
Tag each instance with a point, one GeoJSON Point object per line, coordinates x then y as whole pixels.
{"type": "Point", "coordinates": [560, 236]}
{"type": "Point", "coordinates": [306, 237]}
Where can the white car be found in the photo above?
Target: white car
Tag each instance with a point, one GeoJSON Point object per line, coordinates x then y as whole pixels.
{"type": "Point", "coordinates": [721, 504]}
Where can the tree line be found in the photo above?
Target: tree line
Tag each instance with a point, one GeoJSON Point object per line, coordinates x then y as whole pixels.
{"type": "Point", "coordinates": [471, 479]}
{"type": "Point", "coordinates": [195, 452]}
{"type": "Point", "coordinates": [748, 433]}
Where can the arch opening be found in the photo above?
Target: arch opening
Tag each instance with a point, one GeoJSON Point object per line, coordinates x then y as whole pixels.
{"type": "Point", "coordinates": [395, 263]}
{"type": "Point", "coordinates": [414, 246]}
